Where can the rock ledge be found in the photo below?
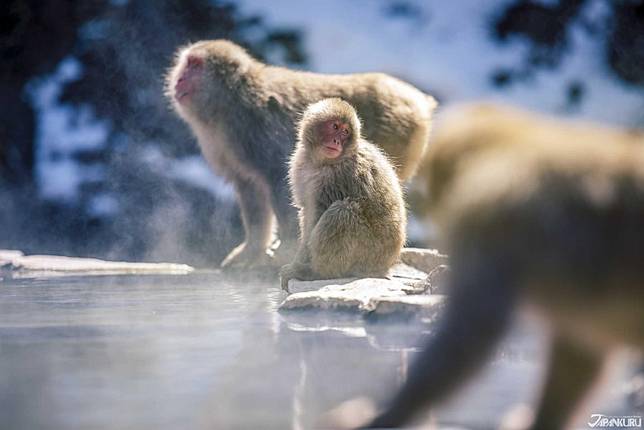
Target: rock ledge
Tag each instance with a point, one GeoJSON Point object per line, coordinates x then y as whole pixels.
{"type": "Point", "coordinates": [406, 290]}
{"type": "Point", "coordinates": [18, 265]}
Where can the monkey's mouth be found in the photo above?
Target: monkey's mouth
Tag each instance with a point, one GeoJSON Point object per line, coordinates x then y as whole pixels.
{"type": "Point", "coordinates": [183, 90]}
{"type": "Point", "coordinates": [180, 95]}
{"type": "Point", "coordinates": [332, 150]}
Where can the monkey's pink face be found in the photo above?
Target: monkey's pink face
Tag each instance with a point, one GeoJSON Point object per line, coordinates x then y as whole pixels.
{"type": "Point", "coordinates": [189, 79]}
{"type": "Point", "coordinates": [334, 135]}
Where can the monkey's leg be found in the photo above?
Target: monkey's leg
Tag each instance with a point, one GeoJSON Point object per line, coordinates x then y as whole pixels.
{"type": "Point", "coordinates": [476, 316]}
{"type": "Point", "coordinates": [287, 224]}
{"type": "Point", "coordinates": [296, 270]}
{"type": "Point", "coordinates": [257, 218]}
{"type": "Point", "coordinates": [300, 268]}
{"type": "Point", "coordinates": [572, 370]}
{"type": "Point", "coordinates": [337, 238]}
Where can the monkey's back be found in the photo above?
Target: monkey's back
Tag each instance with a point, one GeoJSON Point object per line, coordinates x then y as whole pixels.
{"type": "Point", "coordinates": [569, 220]}
{"type": "Point", "coordinates": [396, 116]}
{"type": "Point", "coordinates": [464, 131]}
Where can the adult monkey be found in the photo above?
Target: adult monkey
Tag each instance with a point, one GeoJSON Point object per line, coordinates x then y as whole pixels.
{"type": "Point", "coordinates": [462, 132]}
{"type": "Point", "coordinates": [244, 114]}
{"type": "Point", "coordinates": [539, 212]}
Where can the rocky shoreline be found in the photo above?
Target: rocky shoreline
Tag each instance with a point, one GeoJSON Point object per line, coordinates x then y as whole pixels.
{"type": "Point", "coordinates": [413, 286]}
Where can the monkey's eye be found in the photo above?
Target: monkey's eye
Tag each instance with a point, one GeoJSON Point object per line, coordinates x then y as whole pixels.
{"type": "Point", "coordinates": [346, 132]}
{"type": "Point", "coordinates": [335, 126]}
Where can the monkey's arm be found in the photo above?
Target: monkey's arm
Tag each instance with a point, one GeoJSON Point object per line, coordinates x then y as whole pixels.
{"type": "Point", "coordinates": [301, 268]}
{"type": "Point", "coordinates": [475, 318]}
{"type": "Point", "coordinates": [295, 270]}
{"type": "Point", "coordinates": [255, 209]}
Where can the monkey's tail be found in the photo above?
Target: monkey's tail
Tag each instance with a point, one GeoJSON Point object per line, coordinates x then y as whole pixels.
{"type": "Point", "coordinates": [479, 309]}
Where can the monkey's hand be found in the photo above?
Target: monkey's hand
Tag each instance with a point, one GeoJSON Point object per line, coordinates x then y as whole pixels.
{"type": "Point", "coordinates": [287, 272]}
{"type": "Point", "coordinates": [294, 271]}
{"type": "Point", "coordinates": [244, 256]}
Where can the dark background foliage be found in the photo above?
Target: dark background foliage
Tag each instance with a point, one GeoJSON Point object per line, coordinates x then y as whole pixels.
{"type": "Point", "coordinates": [124, 51]}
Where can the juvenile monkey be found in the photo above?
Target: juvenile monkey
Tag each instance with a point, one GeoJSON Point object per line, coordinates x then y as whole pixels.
{"type": "Point", "coordinates": [244, 115]}
{"type": "Point", "coordinates": [546, 220]}
{"type": "Point", "coordinates": [351, 209]}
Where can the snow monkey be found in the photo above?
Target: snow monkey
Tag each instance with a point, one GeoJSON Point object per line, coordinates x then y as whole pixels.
{"type": "Point", "coordinates": [552, 219]}
{"type": "Point", "coordinates": [351, 208]}
{"type": "Point", "coordinates": [244, 113]}
{"type": "Point", "coordinates": [463, 130]}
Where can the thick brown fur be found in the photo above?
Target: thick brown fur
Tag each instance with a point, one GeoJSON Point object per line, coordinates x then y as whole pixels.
{"type": "Point", "coordinates": [351, 209]}
{"type": "Point", "coordinates": [244, 115]}
{"type": "Point", "coordinates": [537, 212]}
{"type": "Point", "coordinates": [462, 132]}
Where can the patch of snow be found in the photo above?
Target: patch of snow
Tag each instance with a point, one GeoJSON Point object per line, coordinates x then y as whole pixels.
{"type": "Point", "coordinates": [62, 130]}
{"type": "Point", "coordinates": [58, 179]}
{"type": "Point", "coordinates": [103, 205]}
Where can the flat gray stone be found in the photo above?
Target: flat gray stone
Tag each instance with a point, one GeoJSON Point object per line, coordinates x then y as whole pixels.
{"type": "Point", "coordinates": [21, 266]}
{"type": "Point", "coordinates": [7, 256]}
{"type": "Point", "coordinates": [427, 304]}
{"type": "Point", "coordinates": [297, 286]}
{"type": "Point", "coordinates": [423, 259]}
{"type": "Point", "coordinates": [406, 290]}
{"type": "Point", "coordinates": [367, 295]}
{"type": "Point", "coordinates": [401, 276]}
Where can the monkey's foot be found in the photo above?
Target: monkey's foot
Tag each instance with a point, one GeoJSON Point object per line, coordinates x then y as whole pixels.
{"type": "Point", "coordinates": [287, 272]}
{"type": "Point", "coordinates": [244, 256]}
{"type": "Point", "coordinates": [294, 271]}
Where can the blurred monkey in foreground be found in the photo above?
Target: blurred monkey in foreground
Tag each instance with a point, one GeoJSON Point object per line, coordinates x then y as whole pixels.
{"type": "Point", "coordinates": [539, 213]}
{"type": "Point", "coordinates": [464, 131]}
{"type": "Point", "coordinates": [244, 114]}
{"type": "Point", "coordinates": [352, 213]}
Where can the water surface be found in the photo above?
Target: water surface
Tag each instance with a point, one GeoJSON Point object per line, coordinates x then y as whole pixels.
{"type": "Point", "coordinates": [207, 352]}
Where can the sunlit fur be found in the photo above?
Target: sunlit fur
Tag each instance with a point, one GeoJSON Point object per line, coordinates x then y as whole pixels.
{"type": "Point", "coordinates": [323, 111]}
{"type": "Point", "coordinates": [465, 131]}
{"type": "Point", "coordinates": [352, 213]}
{"type": "Point", "coordinates": [245, 116]}
{"type": "Point", "coordinates": [538, 212]}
